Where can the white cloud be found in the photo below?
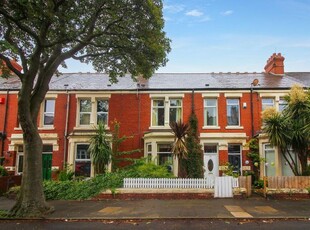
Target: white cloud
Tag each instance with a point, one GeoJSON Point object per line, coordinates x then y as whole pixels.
{"type": "Point", "coordinates": [174, 8]}
{"type": "Point", "coordinates": [227, 12]}
{"type": "Point", "coordinates": [194, 13]}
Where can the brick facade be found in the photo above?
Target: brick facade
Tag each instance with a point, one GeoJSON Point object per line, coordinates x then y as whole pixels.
{"type": "Point", "coordinates": [132, 107]}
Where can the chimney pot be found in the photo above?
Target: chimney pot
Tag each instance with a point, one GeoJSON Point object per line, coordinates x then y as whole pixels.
{"type": "Point", "coordinates": [275, 64]}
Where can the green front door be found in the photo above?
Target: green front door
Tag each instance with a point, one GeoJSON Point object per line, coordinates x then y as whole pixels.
{"type": "Point", "coordinates": [47, 166]}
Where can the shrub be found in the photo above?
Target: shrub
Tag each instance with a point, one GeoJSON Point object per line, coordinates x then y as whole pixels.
{"type": "Point", "coordinates": [3, 171]}
{"type": "Point", "coordinates": [231, 170]}
{"type": "Point", "coordinates": [66, 173]}
{"type": "Point", "coordinates": [259, 184]}
{"type": "Point", "coordinates": [145, 169]}
{"type": "Point", "coordinates": [81, 188]}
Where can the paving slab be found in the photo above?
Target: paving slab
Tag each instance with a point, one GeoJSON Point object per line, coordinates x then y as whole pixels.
{"type": "Point", "coordinates": [178, 209]}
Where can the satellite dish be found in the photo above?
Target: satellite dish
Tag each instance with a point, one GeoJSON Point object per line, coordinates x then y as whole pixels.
{"type": "Point", "coordinates": [255, 82]}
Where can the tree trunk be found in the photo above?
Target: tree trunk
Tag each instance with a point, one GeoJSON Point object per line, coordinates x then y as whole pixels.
{"type": "Point", "coordinates": [181, 169]}
{"type": "Point", "coordinates": [31, 200]}
{"type": "Point", "coordinates": [303, 158]}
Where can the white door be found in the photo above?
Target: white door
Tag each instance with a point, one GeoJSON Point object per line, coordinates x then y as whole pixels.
{"type": "Point", "coordinates": [270, 169]}
{"type": "Point", "coordinates": [210, 160]}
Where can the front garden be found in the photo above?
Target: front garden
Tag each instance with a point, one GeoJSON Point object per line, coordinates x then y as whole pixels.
{"type": "Point", "coordinates": [79, 188]}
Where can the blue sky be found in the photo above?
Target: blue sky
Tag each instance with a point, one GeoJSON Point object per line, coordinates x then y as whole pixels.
{"type": "Point", "coordinates": [233, 35]}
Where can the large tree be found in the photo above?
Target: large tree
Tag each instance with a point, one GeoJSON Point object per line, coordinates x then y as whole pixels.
{"type": "Point", "coordinates": [117, 37]}
{"type": "Point", "coordinates": [290, 129]}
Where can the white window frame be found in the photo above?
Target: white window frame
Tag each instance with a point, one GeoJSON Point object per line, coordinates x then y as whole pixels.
{"type": "Point", "coordinates": [19, 154]}
{"type": "Point", "coordinates": [93, 113]}
{"type": "Point", "coordinates": [155, 109]}
{"type": "Point", "coordinates": [149, 151]}
{"type": "Point", "coordinates": [239, 114]}
{"type": "Point", "coordinates": [236, 154]}
{"type": "Point", "coordinates": [41, 124]}
{"type": "Point", "coordinates": [81, 159]}
{"type": "Point", "coordinates": [85, 113]}
{"type": "Point", "coordinates": [167, 100]}
{"type": "Point", "coordinates": [177, 107]}
{"type": "Point", "coordinates": [206, 107]}
{"type": "Point", "coordinates": [282, 104]}
{"type": "Point", "coordinates": [158, 153]}
{"type": "Point", "coordinates": [106, 113]}
{"type": "Point", "coordinates": [49, 113]}
{"type": "Point", "coordinates": [266, 104]}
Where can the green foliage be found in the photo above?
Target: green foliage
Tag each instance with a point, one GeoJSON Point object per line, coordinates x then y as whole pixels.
{"type": "Point", "coordinates": [230, 170]}
{"type": "Point", "coordinates": [79, 189]}
{"type": "Point", "coordinates": [259, 184]}
{"type": "Point", "coordinates": [116, 37]}
{"type": "Point", "coordinates": [291, 129]}
{"type": "Point", "coordinates": [3, 171]}
{"type": "Point", "coordinates": [100, 149]}
{"type": "Point", "coordinates": [66, 174]}
{"type": "Point", "coordinates": [117, 155]}
{"type": "Point", "coordinates": [194, 161]}
{"type": "Point", "coordinates": [143, 168]}
{"type": "Point", "coordinates": [2, 159]}
{"type": "Point", "coordinates": [180, 130]}
{"type": "Point", "coordinates": [253, 155]}
{"type": "Point", "coordinates": [4, 214]}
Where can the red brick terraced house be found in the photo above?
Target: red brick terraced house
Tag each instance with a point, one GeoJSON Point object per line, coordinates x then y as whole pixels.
{"type": "Point", "coordinates": [228, 107]}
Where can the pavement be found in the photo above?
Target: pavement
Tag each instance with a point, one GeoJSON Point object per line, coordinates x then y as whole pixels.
{"type": "Point", "coordinates": [253, 207]}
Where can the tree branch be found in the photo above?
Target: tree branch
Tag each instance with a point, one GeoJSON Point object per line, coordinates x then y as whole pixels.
{"type": "Point", "coordinates": [19, 25]}
{"type": "Point", "coordinates": [7, 36]}
{"type": "Point", "coordinates": [10, 66]}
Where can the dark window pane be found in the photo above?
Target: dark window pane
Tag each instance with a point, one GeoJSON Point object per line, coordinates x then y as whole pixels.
{"type": "Point", "coordinates": [234, 149]}
{"type": "Point", "coordinates": [20, 163]}
{"type": "Point", "coordinates": [85, 105]}
{"type": "Point", "coordinates": [234, 160]}
{"type": "Point", "coordinates": [210, 149]}
{"type": "Point", "coordinates": [102, 106]}
{"type": "Point", "coordinates": [47, 148]}
{"type": "Point", "coordinates": [48, 119]}
{"type": "Point", "coordinates": [82, 168]}
{"type": "Point", "coordinates": [102, 117]}
{"type": "Point", "coordinates": [161, 116]}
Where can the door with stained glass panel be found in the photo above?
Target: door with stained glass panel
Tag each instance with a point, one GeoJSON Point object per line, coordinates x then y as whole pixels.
{"type": "Point", "coordinates": [210, 160]}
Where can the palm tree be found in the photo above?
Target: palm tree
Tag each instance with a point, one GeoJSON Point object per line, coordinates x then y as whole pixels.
{"type": "Point", "coordinates": [290, 129]}
{"type": "Point", "coordinates": [100, 149]}
{"type": "Point", "coordinates": [179, 149]}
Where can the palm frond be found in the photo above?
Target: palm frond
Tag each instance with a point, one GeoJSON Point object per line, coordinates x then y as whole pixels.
{"type": "Point", "coordinates": [180, 130]}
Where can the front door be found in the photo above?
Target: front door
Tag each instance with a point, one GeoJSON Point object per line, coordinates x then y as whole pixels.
{"type": "Point", "coordinates": [47, 166]}
{"type": "Point", "coordinates": [210, 160]}
{"type": "Point", "coordinates": [270, 169]}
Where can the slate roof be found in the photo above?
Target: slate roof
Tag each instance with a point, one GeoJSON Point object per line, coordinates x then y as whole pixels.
{"type": "Point", "coordinates": [170, 81]}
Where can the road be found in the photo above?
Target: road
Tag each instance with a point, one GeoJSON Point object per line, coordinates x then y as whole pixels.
{"type": "Point", "coordinates": [222, 224]}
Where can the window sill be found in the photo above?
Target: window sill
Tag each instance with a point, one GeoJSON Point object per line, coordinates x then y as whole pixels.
{"type": "Point", "coordinates": [17, 128]}
{"type": "Point", "coordinates": [160, 127]}
{"type": "Point", "coordinates": [88, 127]}
{"type": "Point", "coordinates": [46, 128]}
{"type": "Point", "coordinates": [234, 127]}
{"type": "Point", "coordinates": [211, 127]}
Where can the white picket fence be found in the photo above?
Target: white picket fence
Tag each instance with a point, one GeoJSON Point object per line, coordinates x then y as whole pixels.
{"type": "Point", "coordinates": [206, 183]}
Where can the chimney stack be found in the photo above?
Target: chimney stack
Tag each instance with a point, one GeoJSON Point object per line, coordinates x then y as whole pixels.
{"type": "Point", "coordinates": [275, 64]}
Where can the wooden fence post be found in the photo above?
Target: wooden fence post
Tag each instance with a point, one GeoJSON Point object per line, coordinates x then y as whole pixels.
{"type": "Point", "coordinates": [265, 186]}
